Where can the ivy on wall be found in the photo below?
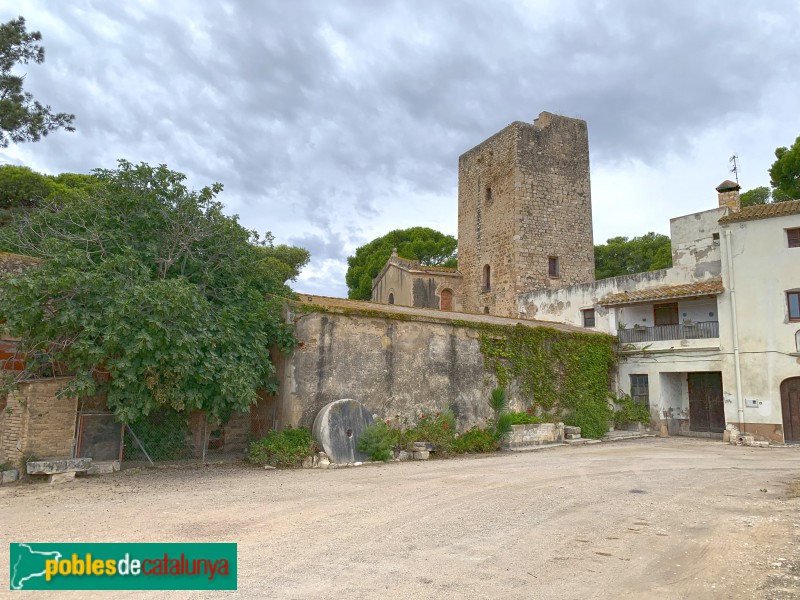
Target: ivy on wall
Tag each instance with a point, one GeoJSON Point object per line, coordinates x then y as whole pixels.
{"type": "Point", "coordinates": [561, 374]}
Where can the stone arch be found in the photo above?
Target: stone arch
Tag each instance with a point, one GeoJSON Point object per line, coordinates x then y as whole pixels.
{"type": "Point", "coordinates": [446, 299]}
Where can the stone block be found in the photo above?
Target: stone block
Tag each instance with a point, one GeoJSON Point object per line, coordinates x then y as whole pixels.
{"type": "Point", "coordinates": [420, 447]}
{"type": "Point", "coordinates": [61, 477]}
{"type": "Point", "coordinates": [308, 462]}
{"type": "Point", "coordinates": [572, 436]}
{"type": "Point", "coordinates": [9, 476]}
{"type": "Point", "coordinates": [323, 462]}
{"type": "Point", "coordinates": [104, 467]}
{"type": "Point", "coordinates": [51, 467]}
{"type": "Point", "coordinates": [421, 455]}
{"type": "Point", "coordinates": [571, 430]}
{"type": "Point", "coordinates": [403, 455]}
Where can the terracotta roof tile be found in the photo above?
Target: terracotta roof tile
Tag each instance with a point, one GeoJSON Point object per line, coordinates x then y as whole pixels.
{"type": "Point", "coordinates": [700, 288]}
{"type": "Point", "coordinates": [763, 211]}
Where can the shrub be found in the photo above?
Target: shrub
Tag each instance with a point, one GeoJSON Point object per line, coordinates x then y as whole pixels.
{"type": "Point", "coordinates": [629, 412]}
{"type": "Point", "coordinates": [286, 448]}
{"type": "Point", "coordinates": [377, 440]}
{"type": "Point", "coordinates": [438, 429]}
{"type": "Point", "coordinates": [591, 418]}
{"type": "Point", "coordinates": [476, 440]}
{"type": "Point", "coordinates": [524, 418]}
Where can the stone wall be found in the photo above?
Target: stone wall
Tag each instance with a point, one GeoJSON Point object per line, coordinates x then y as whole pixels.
{"type": "Point", "coordinates": [399, 362]}
{"type": "Point", "coordinates": [36, 422]}
{"type": "Point", "coordinates": [523, 197]}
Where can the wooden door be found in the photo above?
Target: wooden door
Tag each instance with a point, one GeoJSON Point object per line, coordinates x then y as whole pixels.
{"type": "Point", "coordinates": [790, 405]}
{"type": "Point", "coordinates": [447, 300]}
{"type": "Point", "coordinates": [706, 407]}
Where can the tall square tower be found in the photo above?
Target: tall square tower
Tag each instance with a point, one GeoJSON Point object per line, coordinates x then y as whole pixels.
{"type": "Point", "coordinates": [524, 213]}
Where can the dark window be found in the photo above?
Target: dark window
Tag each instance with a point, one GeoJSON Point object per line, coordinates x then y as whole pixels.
{"type": "Point", "coordinates": [793, 236]}
{"type": "Point", "coordinates": [640, 390]}
{"type": "Point", "coordinates": [715, 237]}
{"type": "Point", "coordinates": [793, 300]}
{"type": "Point", "coordinates": [552, 266]}
{"type": "Point", "coordinates": [665, 314]}
{"type": "Point", "coordinates": [588, 317]}
{"type": "Point", "coordinates": [488, 194]}
{"type": "Point", "coordinates": [391, 298]}
{"type": "Point", "coordinates": [486, 310]}
{"type": "Point", "coordinates": [487, 278]}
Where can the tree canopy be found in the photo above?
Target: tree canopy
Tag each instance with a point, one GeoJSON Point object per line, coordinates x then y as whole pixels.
{"type": "Point", "coordinates": [23, 119]}
{"type": "Point", "coordinates": [623, 256]}
{"type": "Point", "coordinates": [148, 293]}
{"type": "Point", "coordinates": [428, 246]}
{"type": "Point", "coordinates": [785, 171]}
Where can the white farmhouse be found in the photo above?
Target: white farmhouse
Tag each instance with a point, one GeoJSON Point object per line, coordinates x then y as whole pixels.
{"type": "Point", "coordinates": [714, 340]}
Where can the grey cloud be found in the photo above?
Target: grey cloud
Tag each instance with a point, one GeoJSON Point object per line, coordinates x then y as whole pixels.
{"type": "Point", "coordinates": [307, 136]}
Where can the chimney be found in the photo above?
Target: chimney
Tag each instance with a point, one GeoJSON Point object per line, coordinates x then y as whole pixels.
{"type": "Point", "coordinates": [729, 195]}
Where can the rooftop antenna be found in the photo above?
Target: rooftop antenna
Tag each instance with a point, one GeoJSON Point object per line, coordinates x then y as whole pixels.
{"type": "Point", "coordinates": [735, 168]}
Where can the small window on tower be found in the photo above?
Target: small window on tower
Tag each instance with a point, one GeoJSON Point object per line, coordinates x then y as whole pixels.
{"type": "Point", "coordinates": [488, 194]}
{"type": "Point", "coordinates": [553, 269]}
{"type": "Point", "coordinates": [487, 278]}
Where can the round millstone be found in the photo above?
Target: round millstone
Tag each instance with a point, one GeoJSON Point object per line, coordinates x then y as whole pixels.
{"type": "Point", "coordinates": [337, 428]}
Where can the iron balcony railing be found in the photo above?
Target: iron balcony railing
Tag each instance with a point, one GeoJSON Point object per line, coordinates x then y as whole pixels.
{"type": "Point", "coordinates": [660, 333]}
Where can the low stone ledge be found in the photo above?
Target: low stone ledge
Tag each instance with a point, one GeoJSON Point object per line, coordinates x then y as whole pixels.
{"type": "Point", "coordinates": [533, 435]}
{"type": "Point", "coordinates": [9, 475]}
{"type": "Point", "coordinates": [53, 467]}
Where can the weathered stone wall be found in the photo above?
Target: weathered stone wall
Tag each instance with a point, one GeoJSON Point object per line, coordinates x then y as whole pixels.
{"type": "Point", "coordinates": [534, 435]}
{"type": "Point", "coordinates": [36, 422]}
{"type": "Point", "coordinates": [523, 197]}
{"type": "Point", "coordinates": [398, 369]}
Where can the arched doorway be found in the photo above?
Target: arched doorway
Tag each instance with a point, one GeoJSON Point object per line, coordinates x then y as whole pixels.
{"type": "Point", "coordinates": [391, 298]}
{"type": "Point", "coordinates": [790, 405]}
{"type": "Point", "coordinates": [446, 302]}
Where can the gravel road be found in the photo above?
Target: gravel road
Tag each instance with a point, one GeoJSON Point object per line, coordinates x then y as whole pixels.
{"type": "Point", "coordinates": [649, 518]}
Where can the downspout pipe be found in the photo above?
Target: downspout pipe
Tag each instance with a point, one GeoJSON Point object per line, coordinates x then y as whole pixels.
{"type": "Point", "coordinates": [736, 360]}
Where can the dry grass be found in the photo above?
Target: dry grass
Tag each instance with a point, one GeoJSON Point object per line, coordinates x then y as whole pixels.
{"type": "Point", "coordinates": [793, 491]}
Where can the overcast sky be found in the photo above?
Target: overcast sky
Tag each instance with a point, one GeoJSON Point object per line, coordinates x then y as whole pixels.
{"type": "Point", "coordinates": [333, 122]}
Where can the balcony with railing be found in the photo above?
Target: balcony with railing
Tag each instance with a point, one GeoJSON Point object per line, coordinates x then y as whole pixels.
{"type": "Point", "coordinates": [660, 333]}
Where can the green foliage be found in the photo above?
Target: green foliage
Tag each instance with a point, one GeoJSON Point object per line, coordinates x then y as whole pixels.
{"type": "Point", "coordinates": [502, 425]}
{"type": "Point", "coordinates": [164, 435]}
{"type": "Point", "coordinates": [559, 372]}
{"type": "Point", "coordinates": [147, 293]}
{"type": "Point", "coordinates": [524, 418]}
{"type": "Point", "coordinates": [498, 401]}
{"type": "Point", "coordinates": [623, 256]}
{"type": "Point", "coordinates": [438, 429]}
{"type": "Point", "coordinates": [627, 411]}
{"type": "Point", "coordinates": [287, 261]}
{"type": "Point", "coordinates": [283, 449]}
{"type": "Point", "coordinates": [23, 119]}
{"type": "Point", "coordinates": [426, 245]}
{"type": "Point", "coordinates": [378, 440]}
{"type": "Point", "coordinates": [476, 441]}
{"type": "Point", "coordinates": [759, 195]}
{"type": "Point", "coordinates": [6, 466]}
{"type": "Point", "coordinates": [784, 173]}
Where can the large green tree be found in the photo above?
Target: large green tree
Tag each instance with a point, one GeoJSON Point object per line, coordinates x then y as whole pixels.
{"type": "Point", "coordinates": [148, 293]}
{"type": "Point", "coordinates": [785, 171]}
{"type": "Point", "coordinates": [23, 189]}
{"type": "Point", "coordinates": [23, 119]}
{"type": "Point", "coordinates": [426, 245]}
{"type": "Point", "coordinates": [623, 256]}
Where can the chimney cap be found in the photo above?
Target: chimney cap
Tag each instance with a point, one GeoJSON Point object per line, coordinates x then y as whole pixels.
{"type": "Point", "coordinates": [728, 185]}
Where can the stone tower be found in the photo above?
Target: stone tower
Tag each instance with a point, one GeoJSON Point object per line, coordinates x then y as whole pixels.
{"type": "Point", "coordinates": [524, 213]}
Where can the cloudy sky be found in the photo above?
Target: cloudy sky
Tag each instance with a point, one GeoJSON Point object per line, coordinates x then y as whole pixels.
{"type": "Point", "coordinates": [333, 122]}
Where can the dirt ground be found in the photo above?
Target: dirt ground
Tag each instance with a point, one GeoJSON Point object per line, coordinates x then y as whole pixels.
{"type": "Point", "coordinates": [650, 518]}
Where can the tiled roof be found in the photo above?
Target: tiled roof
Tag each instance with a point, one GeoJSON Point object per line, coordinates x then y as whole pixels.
{"type": "Point", "coordinates": [700, 288]}
{"type": "Point", "coordinates": [437, 269]}
{"type": "Point", "coordinates": [763, 211]}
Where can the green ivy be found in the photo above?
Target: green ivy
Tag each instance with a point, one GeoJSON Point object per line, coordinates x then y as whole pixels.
{"type": "Point", "coordinates": [556, 372]}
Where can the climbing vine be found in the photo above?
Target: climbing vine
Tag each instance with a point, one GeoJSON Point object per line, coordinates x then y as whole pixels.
{"type": "Point", "coordinates": [556, 372]}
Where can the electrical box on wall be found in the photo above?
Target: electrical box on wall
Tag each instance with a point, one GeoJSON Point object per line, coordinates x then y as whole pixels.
{"type": "Point", "coordinates": [751, 402]}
